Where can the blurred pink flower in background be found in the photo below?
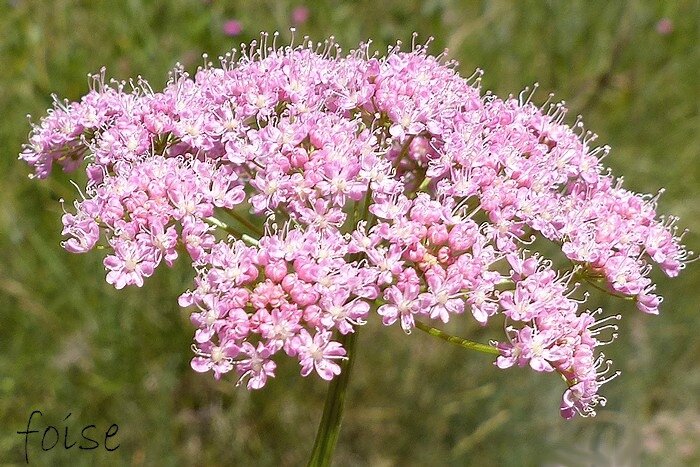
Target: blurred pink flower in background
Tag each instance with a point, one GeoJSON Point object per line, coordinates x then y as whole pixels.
{"type": "Point", "coordinates": [232, 27]}
{"type": "Point", "coordinates": [664, 26]}
{"type": "Point", "coordinates": [300, 15]}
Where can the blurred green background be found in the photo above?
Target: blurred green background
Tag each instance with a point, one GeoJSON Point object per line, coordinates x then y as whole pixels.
{"type": "Point", "coordinates": [70, 343]}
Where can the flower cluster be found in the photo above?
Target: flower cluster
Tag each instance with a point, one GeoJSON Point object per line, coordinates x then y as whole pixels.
{"type": "Point", "coordinates": [311, 190]}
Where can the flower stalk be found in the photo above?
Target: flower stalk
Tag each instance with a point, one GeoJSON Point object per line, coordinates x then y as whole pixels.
{"type": "Point", "coordinates": [329, 427]}
{"type": "Point", "coordinates": [464, 343]}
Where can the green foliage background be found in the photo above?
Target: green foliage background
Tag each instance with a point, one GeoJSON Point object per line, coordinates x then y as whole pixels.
{"type": "Point", "coordinates": [71, 343]}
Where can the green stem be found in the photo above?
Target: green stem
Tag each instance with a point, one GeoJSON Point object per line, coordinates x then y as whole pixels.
{"type": "Point", "coordinates": [464, 343]}
{"type": "Point", "coordinates": [245, 222]}
{"type": "Point", "coordinates": [365, 209]}
{"type": "Point", "coordinates": [222, 225]}
{"type": "Point", "coordinates": [592, 282]}
{"type": "Point", "coordinates": [404, 151]}
{"type": "Point", "coordinates": [329, 428]}
{"type": "Point", "coordinates": [613, 294]}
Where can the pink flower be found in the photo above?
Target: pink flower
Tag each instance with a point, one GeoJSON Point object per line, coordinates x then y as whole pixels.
{"type": "Point", "coordinates": [664, 26]}
{"type": "Point", "coordinates": [164, 240]}
{"type": "Point", "coordinates": [539, 349]}
{"type": "Point", "coordinates": [215, 358]}
{"type": "Point", "coordinates": [310, 188]}
{"type": "Point", "coordinates": [255, 365]}
{"type": "Point", "coordinates": [84, 232]}
{"type": "Point", "coordinates": [131, 262]}
{"type": "Point", "coordinates": [319, 353]}
{"type": "Point", "coordinates": [232, 27]}
{"type": "Point", "coordinates": [444, 297]}
{"type": "Point", "coordinates": [197, 239]}
{"type": "Point", "coordinates": [300, 15]}
{"type": "Point", "coordinates": [343, 314]}
{"type": "Point", "coordinates": [519, 305]}
{"type": "Point", "coordinates": [401, 304]}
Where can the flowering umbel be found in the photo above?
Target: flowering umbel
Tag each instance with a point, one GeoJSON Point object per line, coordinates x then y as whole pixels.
{"type": "Point", "coordinates": [312, 191]}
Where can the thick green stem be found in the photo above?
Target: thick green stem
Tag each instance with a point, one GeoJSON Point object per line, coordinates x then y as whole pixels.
{"type": "Point", "coordinates": [467, 344]}
{"type": "Point", "coordinates": [329, 428]}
